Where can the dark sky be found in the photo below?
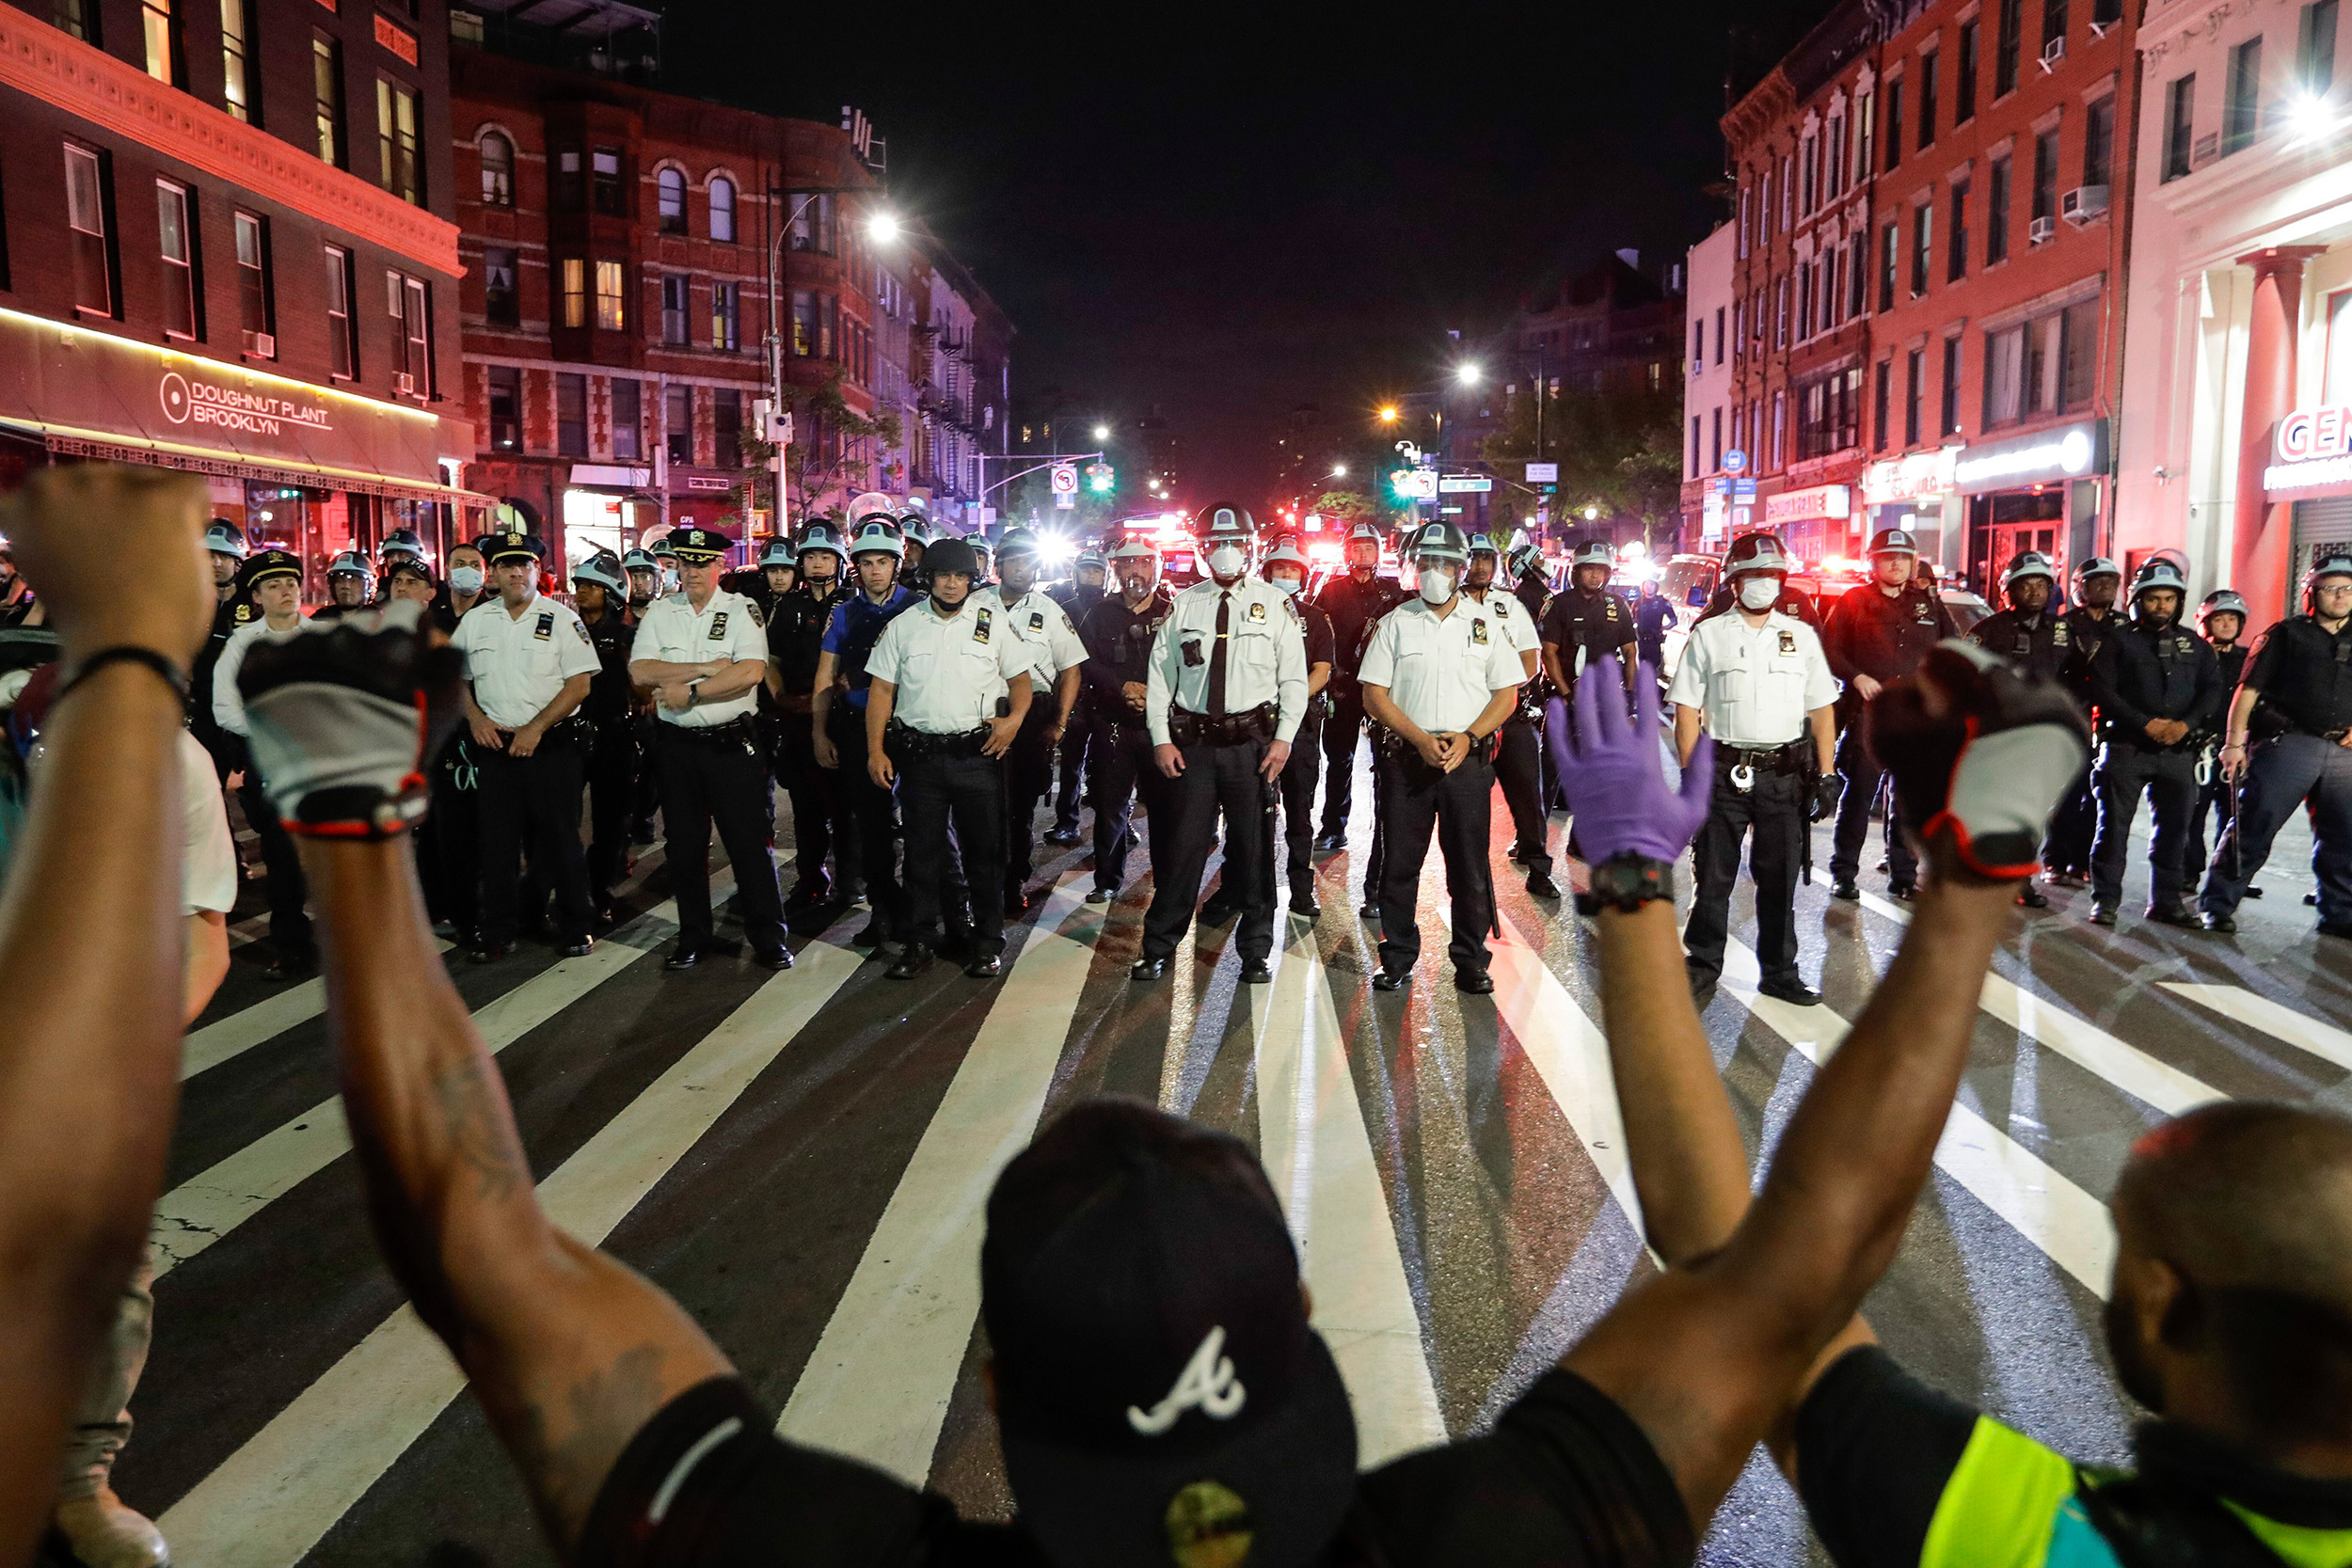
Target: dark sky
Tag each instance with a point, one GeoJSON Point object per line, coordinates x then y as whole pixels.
{"type": "Point", "coordinates": [1223, 213]}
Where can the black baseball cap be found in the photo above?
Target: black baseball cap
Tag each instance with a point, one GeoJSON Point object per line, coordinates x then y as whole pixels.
{"type": "Point", "coordinates": [1159, 1392]}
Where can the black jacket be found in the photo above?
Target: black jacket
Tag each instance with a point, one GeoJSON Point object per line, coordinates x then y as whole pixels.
{"type": "Point", "coordinates": [1119, 650]}
{"type": "Point", "coordinates": [2305, 676]}
{"type": "Point", "coordinates": [1598, 621]}
{"type": "Point", "coordinates": [609, 699]}
{"type": "Point", "coordinates": [795, 628]}
{"type": "Point", "coordinates": [2085, 635]}
{"type": "Point", "coordinates": [2035, 645]}
{"type": "Point", "coordinates": [2142, 673]}
{"type": "Point", "coordinates": [1354, 608]}
{"type": "Point", "coordinates": [1869, 634]}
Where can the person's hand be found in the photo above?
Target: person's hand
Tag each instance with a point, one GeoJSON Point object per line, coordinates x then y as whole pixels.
{"type": "Point", "coordinates": [1000, 734]}
{"type": "Point", "coordinates": [152, 516]}
{"type": "Point", "coordinates": [1432, 751]}
{"type": "Point", "coordinates": [677, 696]}
{"type": "Point", "coordinates": [2166, 732]}
{"type": "Point", "coordinates": [1828, 790]}
{"type": "Point", "coordinates": [879, 769]}
{"type": "Point", "coordinates": [1278, 756]}
{"type": "Point", "coordinates": [1137, 694]}
{"type": "Point", "coordinates": [1616, 779]}
{"type": "Point", "coordinates": [1168, 760]}
{"type": "Point", "coordinates": [1867, 687]}
{"type": "Point", "coordinates": [2233, 758]}
{"type": "Point", "coordinates": [526, 740]}
{"type": "Point", "coordinates": [828, 755]}
{"type": "Point", "coordinates": [1453, 749]}
{"type": "Point", "coordinates": [1980, 756]}
{"type": "Point", "coordinates": [485, 735]}
{"type": "Point", "coordinates": [235, 780]}
{"type": "Point", "coordinates": [1054, 729]}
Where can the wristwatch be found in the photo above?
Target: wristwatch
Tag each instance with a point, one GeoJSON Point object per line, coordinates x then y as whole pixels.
{"type": "Point", "coordinates": [1626, 882]}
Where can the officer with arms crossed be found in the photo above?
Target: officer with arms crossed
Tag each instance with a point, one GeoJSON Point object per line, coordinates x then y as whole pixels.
{"type": "Point", "coordinates": [2290, 739]}
{"type": "Point", "coordinates": [1227, 691]}
{"type": "Point", "coordinates": [1056, 655]}
{"type": "Point", "coordinates": [822, 823]}
{"type": "Point", "coordinates": [272, 581]}
{"type": "Point", "coordinates": [1757, 682]}
{"type": "Point", "coordinates": [2031, 634]}
{"type": "Point", "coordinates": [1879, 633]}
{"type": "Point", "coordinates": [1118, 635]}
{"type": "Point", "coordinates": [837, 719]}
{"type": "Point", "coordinates": [951, 691]}
{"type": "Point", "coordinates": [1077, 598]}
{"type": "Point", "coordinates": [1520, 744]}
{"type": "Point", "coordinates": [1439, 678]}
{"type": "Point", "coordinates": [2157, 686]}
{"type": "Point", "coordinates": [703, 650]}
{"type": "Point", "coordinates": [2088, 627]}
{"type": "Point", "coordinates": [1353, 601]}
{"type": "Point", "coordinates": [531, 663]}
{"type": "Point", "coordinates": [1287, 570]}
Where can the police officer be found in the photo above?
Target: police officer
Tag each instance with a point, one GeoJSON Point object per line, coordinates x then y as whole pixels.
{"type": "Point", "coordinates": [1520, 744]}
{"type": "Point", "coordinates": [1286, 569]}
{"type": "Point", "coordinates": [2032, 636]}
{"type": "Point", "coordinates": [1759, 682]}
{"type": "Point", "coordinates": [1530, 582]}
{"type": "Point", "coordinates": [1118, 634]}
{"type": "Point", "coordinates": [224, 542]}
{"type": "Point", "coordinates": [401, 544]}
{"type": "Point", "coordinates": [2156, 685]}
{"type": "Point", "coordinates": [915, 534]}
{"type": "Point", "coordinates": [822, 822]}
{"type": "Point", "coordinates": [982, 551]}
{"type": "Point", "coordinates": [529, 664]}
{"type": "Point", "coordinates": [2290, 741]}
{"type": "Point", "coordinates": [1440, 676]}
{"type": "Point", "coordinates": [703, 650]}
{"type": "Point", "coordinates": [1654, 615]}
{"type": "Point", "coordinates": [2086, 628]}
{"type": "Point", "coordinates": [1878, 633]}
{"type": "Point", "coordinates": [349, 585]}
{"type": "Point", "coordinates": [1056, 655]}
{"type": "Point", "coordinates": [1353, 601]}
{"type": "Point", "coordinates": [644, 581]}
{"type": "Point", "coordinates": [1225, 697]}
{"type": "Point", "coordinates": [268, 598]}
{"type": "Point", "coordinates": [2221, 619]}
{"type": "Point", "coordinates": [1585, 622]}
{"type": "Point", "coordinates": [665, 561]}
{"type": "Point", "coordinates": [837, 721]}
{"type": "Point", "coordinates": [950, 692]}
{"type": "Point", "coordinates": [600, 589]}
{"type": "Point", "coordinates": [1077, 597]}
{"type": "Point", "coordinates": [779, 572]}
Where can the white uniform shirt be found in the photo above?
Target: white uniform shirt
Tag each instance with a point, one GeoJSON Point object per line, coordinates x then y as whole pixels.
{"type": "Point", "coordinates": [517, 663]}
{"type": "Point", "coordinates": [1442, 670]}
{"type": "Point", "coordinates": [1044, 625]}
{"type": "Point", "coordinates": [728, 628]}
{"type": "Point", "coordinates": [227, 702]}
{"type": "Point", "coordinates": [1754, 685]}
{"type": "Point", "coordinates": [1519, 628]}
{"type": "Point", "coordinates": [1265, 658]}
{"type": "Point", "coordinates": [949, 673]}
{"type": "Point", "coordinates": [207, 874]}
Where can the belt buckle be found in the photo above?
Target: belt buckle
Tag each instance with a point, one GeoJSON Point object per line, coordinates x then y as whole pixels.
{"type": "Point", "coordinates": [1742, 777]}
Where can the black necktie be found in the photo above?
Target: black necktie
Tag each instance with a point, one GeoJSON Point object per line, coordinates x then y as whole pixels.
{"type": "Point", "coordinates": [1216, 660]}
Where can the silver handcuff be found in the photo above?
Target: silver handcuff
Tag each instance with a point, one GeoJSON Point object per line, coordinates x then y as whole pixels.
{"type": "Point", "coordinates": [1742, 777]}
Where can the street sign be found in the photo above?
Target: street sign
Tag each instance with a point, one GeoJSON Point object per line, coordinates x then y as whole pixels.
{"type": "Point", "coordinates": [1543, 474]}
{"type": "Point", "coordinates": [1744, 488]}
{"type": "Point", "coordinates": [1065, 479]}
{"type": "Point", "coordinates": [1415, 484]}
{"type": "Point", "coordinates": [1455, 484]}
{"type": "Point", "coordinates": [1735, 461]}
{"type": "Point", "coordinates": [1546, 489]}
{"type": "Point", "coordinates": [1065, 500]}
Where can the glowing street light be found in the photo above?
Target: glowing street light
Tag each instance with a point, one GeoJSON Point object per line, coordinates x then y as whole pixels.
{"type": "Point", "coordinates": [1339, 470]}
{"type": "Point", "coordinates": [1387, 412]}
{"type": "Point", "coordinates": [1592, 513]}
{"type": "Point", "coordinates": [2312, 117]}
{"type": "Point", "coordinates": [1102, 433]}
{"type": "Point", "coordinates": [883, 228]}
{"type": "Point", "coordinates": [1467, 374]}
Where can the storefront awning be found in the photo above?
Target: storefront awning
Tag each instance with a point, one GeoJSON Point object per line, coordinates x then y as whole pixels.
{"type": "Point", "coordinates": [197, 460]}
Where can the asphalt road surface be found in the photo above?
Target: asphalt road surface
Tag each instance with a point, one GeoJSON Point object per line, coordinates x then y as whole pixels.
{"type": "Point", "coordinates": [802, 1158]}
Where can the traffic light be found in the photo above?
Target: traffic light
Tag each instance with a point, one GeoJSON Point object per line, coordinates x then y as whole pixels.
{"type": "Point", "coordinates": [1099, 478]}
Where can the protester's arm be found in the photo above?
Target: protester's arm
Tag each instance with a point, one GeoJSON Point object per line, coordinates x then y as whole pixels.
{"type": "Point", "coordinates": [207, 962]}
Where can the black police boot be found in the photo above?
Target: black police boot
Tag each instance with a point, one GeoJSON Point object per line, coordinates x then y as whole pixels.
{"type": "Point", "coordinates": [1368, 911]}
{"type": "Point", "coordinates": [1303, 900]}
{"type": "Point", "coordinates": [1390, 979]}
{"type": "Point", "coordinates": [2340, 929]}
{"type": "Point", "coordinates": [1792, 991]}
{"type": "Point", "coordinates": [2103, 914]}
{"type": "Point", "coordinates": [1905, 890]}
{"type": "Point", "coordinates": [1330, 839]}
{"type": "Point", "coordinates": [1148, 969]}
{"type": "Point", "coordinates": [579, 949]}
{"type": "Point", "coordinates": [876, 932]}
{"type": "Point", "coordinates": [2172, 914]}
{"type": "Point", "coordinates": [1217, 912]}
{"type": "Point", "coordinates": [807, 894]}
{"type": "Point", "coordinates": [773, 957]}
{"type": "Point", "coordinates": [1017, 903]}
{"type": "Point", "coordinates": [1540, 885]}
{"type": "Point", "coordinates": [684, 956]}
{"type": "Point", "coordinates": [1475, 982]}
{"type": "Point", "coordinates": [490, 952]}
{"type": "Point", "coordinates": [1065, 837]}
{"type": "Point", "coordinates": [2030, 896]}
{"type": "Point", "coordinates": [2223, 924]}
{"type": "Point", "coordinates": [987, 966]}
{"type": "Point", "coordinates": [1098, 894]}
{"type": "Point", "coordinates": [913, 959]}
{"type": "Point", "coordinates": [1847, 889]}
{"type": "Point", "coordinates": [294, 967]}
{"type": "Point", "coordinates": [1257, 971]}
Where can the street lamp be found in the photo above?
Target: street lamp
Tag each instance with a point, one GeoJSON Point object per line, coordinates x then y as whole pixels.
{"type": "Point", "coordinates": [1467, 373]}
{"type": "Point", "coordinates": [1102, 433]}
{"type": "Point", "coordinates": [1339, 470]}
{"type": "Point", "coordinates": [883, 228]}
{"type": "Point", "coordinates": [1387, 412]}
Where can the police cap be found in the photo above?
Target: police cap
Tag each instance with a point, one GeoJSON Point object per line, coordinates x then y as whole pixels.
{"type": "Point", "coordinates": [1284, 553]}
{"type": "Point", "coordinates": [273, 563]}
{"type": "Point", "coordinates": [696, 544]}
{"type": "Point", "coordinates": [1482, 542]}
{"type": "Point", "coordinates": [2329, 563]}
{"type": "Point", "coordinates": [2222, 601]}
{"type": "Point", "coordinates": [511, 546]}
{"type": "Point", "coordinates": [2026, 564]}
{"type": "Point", "coordinates": [952, 556]}
{"type": "Point", "coordinates": [2159, 572]}
{"type": "Point", "coordinates": [410, 567]}
{"type": "Point", "coordinates": [222, 538]}
{"type": "Point", "coordinates": [349, 563]}
{"type": "Point", "coordinates": [779, 553]}
{"type": "Point", "coordinates": [1090, 556]}
{"type": "Point", "coordinates": [402, 539]}
{"type": "Point", "coordinates": [603, 569]}
{"type": "Point", "coordinates": [1894, 541]}
{"type": "Point", "coordinates": [639, 561]}
{"type": "Point", "coordinates": [1757, 552]}
{"type": "Point", "coordinates": [1439, 542]}
{"type": "Point", "coordinates": [1594, 552]}
{"type": "Point", "coordinates": [876, 536]}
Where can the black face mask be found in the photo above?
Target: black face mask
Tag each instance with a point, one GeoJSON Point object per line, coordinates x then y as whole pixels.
{"type": "Point", "coordinates": [946, 609]}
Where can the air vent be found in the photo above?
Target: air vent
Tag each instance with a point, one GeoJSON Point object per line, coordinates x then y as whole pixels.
{"type": "Point", "coordinates": [262, 343]}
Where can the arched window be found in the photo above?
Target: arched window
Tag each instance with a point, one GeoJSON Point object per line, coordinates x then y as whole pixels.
{"type": "Point", "coordinates": [498, 170]}
{"type": "Point", "coordinates": [722, 210]}
{"type": "Point", "coordinates": [672, 203]}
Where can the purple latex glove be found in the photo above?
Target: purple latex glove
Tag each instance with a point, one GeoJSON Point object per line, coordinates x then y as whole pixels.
{"type": "Point", "coordinates": [1608, 770]}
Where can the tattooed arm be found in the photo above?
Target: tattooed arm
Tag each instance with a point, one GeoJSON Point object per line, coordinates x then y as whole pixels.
{"type": "Point", "coordinates": [570, 1351]}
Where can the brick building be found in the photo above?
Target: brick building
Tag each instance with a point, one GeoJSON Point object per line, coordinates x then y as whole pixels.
{"type": "Point", "coordinates": [962, 367]}
{"type": "Point", "coordinates": [226, 246]}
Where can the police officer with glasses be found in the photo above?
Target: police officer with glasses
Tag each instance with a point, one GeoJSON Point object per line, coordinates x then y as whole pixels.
{"type": "Point", "coordinates": [1520, 744]}
{"type": "Point", "coordinates": [1118, 634]}
{"type": "Point", "coordinates": [1225, 697]}
{"type": "Point", "coordinates": [1087, 588]}
{"type": "Point", "coordinates": [703, 651]}
{"type": "Point", "coordinates": [1441, 677]}
{"type": "Point", "coordinates": [1878, 633]}
{"type": "Point", "coordinates": [951, 691]}
{"type": "Point", "coordinates": [822, 823]}
{"type": "Point", "coordinates": [1056, 655]}
{"type": "Point", "coordinates": [843, 684]}
{"type": "Point", "coordinates": [529, 663]}
{"type": "Point", "coordinates": [1354, 601]}
{"type": "Point", "coordinates": [2290, 744]}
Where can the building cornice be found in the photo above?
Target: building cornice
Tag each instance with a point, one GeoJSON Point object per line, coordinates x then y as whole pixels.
{"type": "Point", "coordinates": [45, 63]}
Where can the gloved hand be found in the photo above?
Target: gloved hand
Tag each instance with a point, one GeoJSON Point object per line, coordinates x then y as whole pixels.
{"type": "Point", "coordinates": [1827, 791]}
{"type": "Point", "coordinates": [1980, 755]}
{"type": "Point", "coordinates": [1611, 772]}
{"type": "Point", "coordinates": [344, 714]}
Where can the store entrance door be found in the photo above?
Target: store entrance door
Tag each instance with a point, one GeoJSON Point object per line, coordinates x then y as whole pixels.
{"type": "Point", "coordinates": [2001, 527]}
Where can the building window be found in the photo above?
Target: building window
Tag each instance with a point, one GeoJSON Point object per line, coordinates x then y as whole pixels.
{"type": "Point", "coordinates": [2053, 29]}
{"type": "Point", "coordinates": [2240, 110]}
{"type": "Point", "coordinates": [2012, 40]}
{"type": "Point", "coordinates": [327, 99]}
{"type": "Point", "coordinates": [722, 211]}
{"type": "Point", "coordinates": [1827, 414]}
{"type": "Point", "coordinates": [571, 414]}
{"type": "Point", "coordinates": [1780, 427]}
{"type": "Point", "coordinates": [1879, 407]}
{"type": "Point", "coordinates": [1836, 155]}
{"type": "Point", "coordinates": [1890, 244]}
{"type": "Point", "coordinates": [1780, 315]}
{"type": "Point", "coordinates": [812, 223]}
{"type": "Point", "coordinates": [1866, 124]}
{"type": "Point", "coordinates": [1928, 62]}
{"type": "Point", "coordinates": [2046, 157]}
{"type": "Point", "coordinates": [1809, 160]}
{"type": "Point", "coordinates": [2180, 122]}
{"type": "Point", "coordinates": [610, 317]}
{"type": "Point", "coordinates": [2315, 48]}
{"type": "Point", "coordinates": [343, 338]}
{"type": "Point", "coordinates": [670, 193]}
{"type": "Point", "coordinates": [572, 293]}
{"type": "Point", "coordinates": [1964, 73]}
{"type": "Point", "coordinates": [804, 323]}
{"type": "Point", "coordinates": [1716, 440]}
{"type": "Point", "coordinates": [1998, 196]}
{"type": "Point", "coordinates": [255, 307]}
{"type": "Point", "coordinates": [498, 170]}
{"type": "Point", "coordinates": [411, 308]}
{"type": "Point", "coordinates": [1719, 334]}
{"type": "Point", "coordinates": [1893, 124]}
{"type": "Point", "coordinates": [1698, 344]}
{"type": "Point", "coordinates": [2099, 142]}
{"type": "Point", "coordinates": [1922, 246]}
{"type": "Point", "coordinates": [506, 408]}
{"type": "Point", "coordinates": [726, 316]}
{"type": "Point", "coordinates": [1744, 205]}
{"type": "Point", "coordinates": [159, 20]}
{"type": "Point", "coordinates": [175, 245]}
{"type": "Point", "coordinates": [1695, 469]}
{"type": "Point", "coordinates": [726, 428]}
{"type": "Point", "coordinates": [1788, 191]}
{"type": "Point", "coordinates": [2048, 365]}
{"type": "Point", "coordinates": [396, 141]}
{"type": "Point", "coordinates": [1915, 372]}
{"type": "Point", "coordinates": [78, 18]}
{"type": "Point", "coordinates": [678, 423]}
{"type": "Point", "coordinates": [628, 441]}
{"type": "Point", "coordinates": [1950, 425]}
{"type": "Point", "coordinates": [239, 88]}
{"type": "Point", "coordinates": [674, 310]}
{"type": "Point", "coordinates": [1858, 274]}
{"type": "Point", "coordinates": [569, 190]}
{"type": "Point", "coordinates": [501, 292]}
{"type": "Point", "coordinates": [1956, 241]}
{"type": "Point", "coordinates": [605, 170]}
{"type": "Point", "coordinates": [1804, 300]}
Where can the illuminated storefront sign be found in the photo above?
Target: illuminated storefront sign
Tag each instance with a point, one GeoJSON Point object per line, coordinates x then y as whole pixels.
{"type": "Point", "coordinates": [2312, 450]}
{"type": "Point", "coordinates": [2070, 452]}
{"type": "Point", "coordinates": [1821, 501]}
{"type": "Point", "coordinates": [1909, 479]}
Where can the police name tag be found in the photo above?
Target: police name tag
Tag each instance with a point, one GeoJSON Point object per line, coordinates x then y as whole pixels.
{"type": "Point", "coordinates": [546, 628]}
{"type": "Point", "coordinates": [1478, 632]}
{"type": "Point", "coordinates": [1036, 620]}
{"type": "Point", "coordinates": [1788, 641]}
{"type": "Point", "coordinates": [980, 626]}
{"type": "Point", "coordinates": [719, 628]}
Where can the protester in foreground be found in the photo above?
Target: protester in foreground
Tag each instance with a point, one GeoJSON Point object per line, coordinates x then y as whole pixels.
{"type": "Point", "coordinates": [89, 1044]}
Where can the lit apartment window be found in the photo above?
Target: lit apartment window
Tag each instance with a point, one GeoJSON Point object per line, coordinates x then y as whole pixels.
{"type": "Point", "coordinates": [501, 292]}
{"type": "Point", "coordinates": [2241, 111]}
{"type": "Point", "coordinates": [343, 329]}
{"type": "Point", "coordinates": [674, 310]}
{"type": "Point", "coordinates": [670, 186]}
{"type": "Point", "coordinates": [327, 98]}
{"type": "Point", "coordinates": [411, 308]}
{"type": "Point", "coordinates": [86, 216]}
{"type": "Point", "coordinates": [498, 170]}
{"type": "Point", "coordinates": [2180, 122]}
{"type": "Point", "coordinates": [609, 311]}
{"type": "Point", "coordinates": [572, 292]}
{"type": "Point", "coordinates": [803, 341]}
{"type": "Point", "coordinates": [176, 240]}
{"type": "Point", "coordinates": [726, 315]}
{"type": "Point", "coordinates": [240, 89]}
{"type": "Point", "coordinates": [506, 408]}
{"type": "Point", "coordinates": [628, 442]}
{"type": "Point", "coordinates": [396, 141]}
{"type": "Point", "coordinates": [254, 305]}
{"type": "Point", "coordinates": [722, 210]}
{"type": "Point", "coordinates": [160, 22]}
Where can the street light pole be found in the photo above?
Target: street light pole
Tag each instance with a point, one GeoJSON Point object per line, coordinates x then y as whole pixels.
{"type": "Point", "coordinates": [775, 334]}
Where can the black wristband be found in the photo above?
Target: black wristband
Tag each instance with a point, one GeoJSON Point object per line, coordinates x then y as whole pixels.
{"type": "Point", "coordinates": [1626, 882]}
{"type": "Point", "coordinates": [126, 653]}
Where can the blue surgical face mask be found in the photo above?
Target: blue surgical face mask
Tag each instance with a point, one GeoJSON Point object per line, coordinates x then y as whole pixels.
{"type": "Point", "coordinates": [465, 580]}
{"type": "Point", "coordinates": [1293, 586]}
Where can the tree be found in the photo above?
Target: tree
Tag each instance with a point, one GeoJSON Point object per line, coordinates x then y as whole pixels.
{"type": "Point", "coordinates": [1342, 510]}
{"type": "Point", "coordinates": [830, 447]}
{"type": "Point", "coordinates": [1618, 451]}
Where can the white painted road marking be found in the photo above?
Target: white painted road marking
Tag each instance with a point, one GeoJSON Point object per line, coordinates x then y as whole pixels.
{"type": "Point", "coordinates": [2305, 1033]}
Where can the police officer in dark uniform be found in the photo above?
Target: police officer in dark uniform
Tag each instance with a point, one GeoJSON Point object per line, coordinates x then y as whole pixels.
{"type": "Point", "coordinates": [1519, 748]}
{"type": "Point", "coordinates": [2221, 620]}
{"type": "Point", "coordinates": [349, 584]}
{"type": "Point", "coordinates": [1286, 568]}
{"type": "Point", "coordinates": [600, 591]}
{"type": "Point", "coordinates": [837, 720]}
{"type": "Point", "coordinates": [1077, 597]}
{"type": "Point", "coordinates": [1585, 622]}
{"type": "Point", "coordinates": [2085, 630]}
{"type": "Point", "coordinates": [2031, 634]}
{"type": "Point", "coordinates": [644, 581]}
{"type": "Point", "coordinates": [2290, 741]}
{"type": "Point", "coordinates": [1654, 616]}
{"type": "Point", "coordinates": [401, 544]}
{"type": "Point", "coordinates": [2157, 686]}
{"type": "Point", "coordinates": [822, 822]}
{"type": "Point", "coordinates": [1878, 634]}
{"type": "Point", "coordinates": [779, 574]}
{"type": "Point", "coordinates": [915, 534]}
{"type": "Point", "coordinates": [1118, 635]}
{"type": "Point", "coordinates": [225, 543]}
{"type": "Point", "coordinates": [1530, 584]}
{"type": "Point", "coordinates": [1353, 602]}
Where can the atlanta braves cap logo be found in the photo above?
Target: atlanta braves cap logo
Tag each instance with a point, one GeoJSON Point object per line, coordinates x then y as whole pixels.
{"type": "Point", "coordinates": [1207, 1383]}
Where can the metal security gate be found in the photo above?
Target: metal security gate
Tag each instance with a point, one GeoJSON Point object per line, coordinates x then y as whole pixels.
{"type": "Point", "coordinates": [2325, 521]}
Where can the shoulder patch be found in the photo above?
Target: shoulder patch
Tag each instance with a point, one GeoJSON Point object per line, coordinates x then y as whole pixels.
{"type": "Point", "coordinates": [751, 612]}
{"type": "Point", "coordinates": [581, 626]}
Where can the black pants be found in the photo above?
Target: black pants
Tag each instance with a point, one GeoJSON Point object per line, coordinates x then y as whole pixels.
{"type": "Point", "coordinates": [1519, 767]}
{"type": "Point", "coordinates": [1119, 770]}
{"type": "Point", "coordinates": [288, 922]}
{"type": "Point", "coordinates": [721, 782]}
{"type": "Point", "coordinates": [449, 845]}
{"type": "Point", "coordinates": [1217, 778]}
{"type": "Point", "coordinates": [612, 767]}
{"type": "Point", "coordinates": [2212, 799]}
{"type": "Point", "coordinates": [967, 794]}
{"type": "Point", "coordinates": [649, 796]}
{"type": "Point", "coordinates": [1864, 776]}
{"type": "Point", "coordinates": [1028, 772]}
{"type": "Point", "coordinates": [1297, 782]}
{"type": "Point", "coordinates": [2169, 780]}
{"type": "Point", "coordinates": [1412, 796]}
{"type": "Point", "coordinates": [2283, 773]}
{"type": "Point", "coordinates": [1774, 809]}
{"type": "Point", "coordinates": [822, 823]}
{"type": "Point", "coordinates": [2072, 826]}
{"type": "Point", "coordinates": [1076, 742]}
{"type": "Point", "coordinates": [874, 815]}
{"type": "Point", "coordinates": [534, 800]}
{"type": "Point", "coordinates": [1341, 731]}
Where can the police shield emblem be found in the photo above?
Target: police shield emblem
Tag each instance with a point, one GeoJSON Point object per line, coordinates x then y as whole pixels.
{"type": "Point", "coordinates": [546, 628]}
{"type": "Point", "coordinates": [1788, 641]}
{"type": "Point", "coordinates": [2058, 635]}
{"type": "Point", "coordinates": [1257, 613]}
{"type": "Point", "coordinates": [980, 628]}
{"type": "Point", "coordinates": [719, 628]}
{"type": "Point", "coordinates": [1478, 632]}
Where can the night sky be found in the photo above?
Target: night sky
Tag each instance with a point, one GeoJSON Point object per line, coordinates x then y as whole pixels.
{"type": "Point", "coordinates": [1219, 216]}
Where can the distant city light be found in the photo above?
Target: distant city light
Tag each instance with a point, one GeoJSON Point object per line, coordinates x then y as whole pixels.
{"type": "Point", "coordinates": [1339, 470]}
{"type": "Point", "coordinates": [1388, 414]}
{"type": "Point", "coordinates": [1592, 513]}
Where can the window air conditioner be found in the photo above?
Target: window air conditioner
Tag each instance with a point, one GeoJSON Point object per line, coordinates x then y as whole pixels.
{"type": "Point", "coordinates": [263, 343]}
{"type": "Point", "coordinates": [2083, 203]}
{"type": "Point", "coordinates": [2039, 230]}
{"type": "Point", "coordinates": [2052, 52]}
{"type": "Point", "coordinates": [405, 385]}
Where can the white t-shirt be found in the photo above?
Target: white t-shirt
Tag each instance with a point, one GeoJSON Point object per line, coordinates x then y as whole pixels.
{"type": "Point", "coordinates": [728, 628]}
{"type": "Point", "coordinates": [1443, 671]}
{"type": "Point", "coordinates": [948, 675]}
{"type": "Point", "coordinates": [1754, 684]}
{"type": "Point", "coordinates": [208, 879]}
{"type": "Point", "coordinates": [517, 663]}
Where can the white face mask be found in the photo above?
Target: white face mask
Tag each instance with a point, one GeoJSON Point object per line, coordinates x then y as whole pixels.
{"type": "Point", "coordinates": [1437, 585]}
{"type": "Point", "coordinates": [1758, 592]}
{"type": "Point", "coordinates": [466, 580]}
{"type": "Point", "coordinates": [1226, 562]}
{"type": "Point", "coordinates": [1290, 585]}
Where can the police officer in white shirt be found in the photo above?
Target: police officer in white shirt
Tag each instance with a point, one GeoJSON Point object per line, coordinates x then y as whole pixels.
{"type": "Point", "coordinates": [1519, 745]}
{"type": "Point", "coordinates": [1054, 655]}
{"type": "Point", "coordinates": [1226, 691]}
{"type": "Point", "coordinates": [273, 579]}
{"type": "Point", "coordinates": [951, 691]}
{"type": "Point", "coordinates": [1440, 675]}
{"type": "Point", "coordinates": [705, 651]}
{"type": "Point", "coordinates": [1759, 682]}
{"type": "Point", "coordinates": [529, 663]}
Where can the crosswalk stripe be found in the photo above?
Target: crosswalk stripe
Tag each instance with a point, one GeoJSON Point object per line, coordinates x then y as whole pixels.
{"type": "Point", "coordinates": [267, 1018]}
{"type": "Point", "coordinates": [2087, 1046]}
{"type": "Point", "coordinates": [2070, 1228]}
{"type": "Point", "coordinates": [2300, 1030]}
{"type": "Point", "coordinates": [1571, 1056]}
{"type": "Point", "coordinates": [1314, 1142]}
{"type": "Point", "coordinates": [877, 1384]}
{"type": "Point", "coordinates": [274, 1500]}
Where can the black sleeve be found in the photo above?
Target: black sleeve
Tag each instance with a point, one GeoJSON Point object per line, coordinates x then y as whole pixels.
{"type": "Point", "coordinates": [2107, 686]}
{"type": "Point", "coordinates": [2262, 668]}
{"type": "Point", "coordinates": [2211, 695]}
{"type": "Point", "coordinates": [1838, 640]}
{"type": "Point", "coordinates": [1547, 625]}
{"type": "Point", "coordinates": [1875, 1448]}
{"type": "Point", "coordinates": [1322, 643]}
{"type": "Point", "coordinates": [707, 1481]}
